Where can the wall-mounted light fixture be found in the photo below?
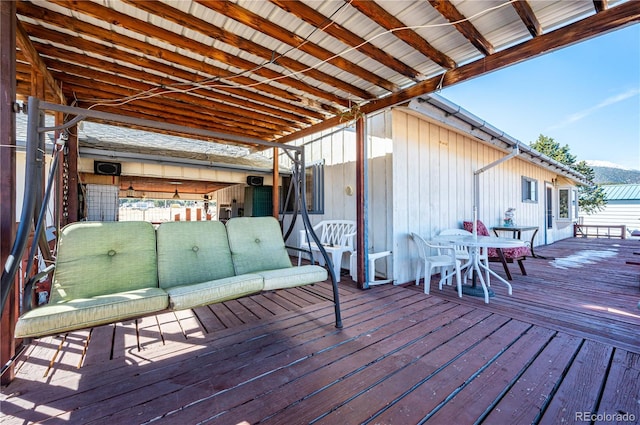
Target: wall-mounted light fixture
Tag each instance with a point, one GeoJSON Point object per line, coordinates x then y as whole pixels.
{"type": "Point", "coordinates": [554, 182]}
{"type": "Point", "coordinates": [131, 193]}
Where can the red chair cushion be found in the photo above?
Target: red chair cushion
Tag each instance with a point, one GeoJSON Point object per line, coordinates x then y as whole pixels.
{"type": "Point", "coordinates": [521, 251]}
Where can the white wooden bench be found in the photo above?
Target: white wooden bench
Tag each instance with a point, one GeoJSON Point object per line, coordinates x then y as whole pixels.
{"type": "Point", "coordinates": [337, 238]}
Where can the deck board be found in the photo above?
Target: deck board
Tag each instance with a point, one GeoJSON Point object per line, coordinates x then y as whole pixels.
{"type": "Point", "coordinates": [562, 343]}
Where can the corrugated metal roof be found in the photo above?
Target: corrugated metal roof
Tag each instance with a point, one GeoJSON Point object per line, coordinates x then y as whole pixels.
{"type": "Point", "coordinates": [276, 69]}
{"type": "Point", "coordinates": [622, 192]}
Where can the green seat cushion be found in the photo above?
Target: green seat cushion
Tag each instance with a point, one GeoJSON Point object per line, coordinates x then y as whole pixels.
{"type": "Point", "coordinates": [293, 276]}
{"type": "Point", "coordinates": [104, 258]}
{"type": "Point", "coordinates": [256, 244]}
{"type": "Point", "coordinates": [194, 295]}
{"type": "Point", "coordinates": [83, 313]}
{"type": "Point", "coordinates": [192, 252]}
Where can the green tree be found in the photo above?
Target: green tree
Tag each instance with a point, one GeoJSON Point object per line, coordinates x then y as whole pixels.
{"type": "Point", "coordinates": [591, 197]}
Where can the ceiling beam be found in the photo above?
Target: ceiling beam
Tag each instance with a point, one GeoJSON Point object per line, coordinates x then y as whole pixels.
{"type": "Point", "coordinates": [464, 26]}
{"type": "Point", "coordinates": [175, 15]}
{"type": "Point", "coordinates": [32, 55]}
{"type": "Point", "coordinates": [376, 13]}
{"type": "Point", "coordinates": [523, 8]}
{"type": "Point", "coordinates": [249, 100]}
{"type": "Point", "coordinates": [149, 30]}
{"type": "Point", "coordinates": [128, 78]}
{"type": "Point", "coordinates": [600, 5]}
{"type": "Point", "coordinates": [258, 23]}
{"type": "Point", "coordinates": [596, 25]}
{"type": "Point", "coordinates": [214, 73]}
{"type": "Point", "coordinates": [318, 20]}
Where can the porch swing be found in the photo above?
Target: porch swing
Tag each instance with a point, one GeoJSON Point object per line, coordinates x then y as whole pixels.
{"type": "Point", "coordinates": [251, 241]}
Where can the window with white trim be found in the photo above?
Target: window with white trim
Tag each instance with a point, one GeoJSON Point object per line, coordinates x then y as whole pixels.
{"type": "Point", "coordinates": [529, 190]}
{"type": "Point", "coordinates": [567, 204]}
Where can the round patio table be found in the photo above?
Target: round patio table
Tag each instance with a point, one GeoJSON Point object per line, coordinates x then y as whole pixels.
{"type": "Point", "coordinates": [474, 265]}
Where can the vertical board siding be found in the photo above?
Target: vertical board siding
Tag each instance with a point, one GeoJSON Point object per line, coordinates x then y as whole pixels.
{"type": "Point", "coordinates": [420, 176]}
{"type": "Point", "coordinates": [338, 150]}
{"type": "Point", "coordinates": [433, 185]}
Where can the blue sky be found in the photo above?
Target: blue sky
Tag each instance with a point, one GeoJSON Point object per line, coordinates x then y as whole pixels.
{"type": "Point", "coordinates": [586, 96]}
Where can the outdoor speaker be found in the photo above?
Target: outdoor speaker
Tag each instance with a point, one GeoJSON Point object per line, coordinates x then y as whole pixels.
{"type": "Point", "coordinates": [255, 180]}
{"type": "Point", "coordinates": [107, 168]}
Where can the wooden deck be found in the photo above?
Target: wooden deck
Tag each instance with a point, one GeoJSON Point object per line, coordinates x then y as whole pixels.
{"type": "Point", "coordinates": [566, 344]}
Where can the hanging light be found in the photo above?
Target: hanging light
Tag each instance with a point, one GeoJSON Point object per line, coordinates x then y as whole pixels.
{"type": "Point", "coordinates": [176, 195]}
{"type": "Point", "coordinates": [131, 193]}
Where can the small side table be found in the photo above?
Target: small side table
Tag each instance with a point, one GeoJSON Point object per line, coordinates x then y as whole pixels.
{"type": "Point", "coordinates": [371, 258]}
{"type": "Point", "coordinates": [517, 234]}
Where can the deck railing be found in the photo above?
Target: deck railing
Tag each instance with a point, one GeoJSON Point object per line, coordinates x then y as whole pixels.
{"type": "Point", "coordinates": [600, 231]}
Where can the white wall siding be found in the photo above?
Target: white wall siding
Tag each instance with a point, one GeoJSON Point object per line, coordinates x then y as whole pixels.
{"type": "Point", "coordinates": [616, 213]}
{"type": "Point", "coordinates": [433, 185]}
{"type": "Point", "coordinates": [338, 150]}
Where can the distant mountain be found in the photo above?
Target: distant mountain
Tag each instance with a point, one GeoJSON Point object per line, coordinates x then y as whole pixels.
{"type": "Point", "coordinates": [615, 175]}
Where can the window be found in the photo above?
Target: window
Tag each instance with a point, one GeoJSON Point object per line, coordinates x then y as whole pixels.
{"type": "Point", "coordinates": [567, 204]}
{"type": "Point", "coordinates": [529, 190]}
{"type": "Point", "coordinates": [314, 183]}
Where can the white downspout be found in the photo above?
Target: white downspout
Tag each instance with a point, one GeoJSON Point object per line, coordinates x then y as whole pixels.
{"type": "Point", "coordinates": [476, 184]}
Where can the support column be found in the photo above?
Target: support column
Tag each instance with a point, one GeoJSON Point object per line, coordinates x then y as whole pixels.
{"type": "Point", "coordinates": [7, 172]}
{"type": "Point", "coordinates": [275, 195]}
{"type": "Point", "coordinates": [361, 203]}
{"type": "Point", "coordinates": [70, 201]}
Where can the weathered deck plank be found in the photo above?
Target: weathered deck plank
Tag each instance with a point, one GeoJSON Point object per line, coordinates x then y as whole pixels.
{"type": "Point", "coordinates": [562, 343]}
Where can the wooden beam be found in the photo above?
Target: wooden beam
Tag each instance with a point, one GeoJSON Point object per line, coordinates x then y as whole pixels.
{"type": "Point", "coordinates": [249, 100]}
{"type": "Point", "coordinates": [206, 28]}
{"type": "Point", "coordinates": [23, 41]}
{"type": "Point", "coordinates": [207, 51]}
{"type": "Point", "coordinates": [258, 23]}
{"type": "Point", "coordinates": [528, 17]}
{"type": "Point", "coordinates": [464, 26]}
{"type": "Point", "coordinates": [177, 103]}
{"type": "Point", "coordinates": [318, 20]}
{"type": "Point", "coordinates": [601, 23]}
{"type": "Point", "coordinates": [275, 195]}
{"type": "Point", "coordinates": [600, 5]}
{"type": "Point", "coordinates": [241, 111]}
{"type": "Point", "coordinates": [389, 22]}
{"type": "Point", "coordinates": [71, 205]}
{"type": "Point", "coordinates": [361, 213]}
{"type": "Point", "coordinates": [63, 21]}
{"type": "Point", "coordinates": [7, 175]}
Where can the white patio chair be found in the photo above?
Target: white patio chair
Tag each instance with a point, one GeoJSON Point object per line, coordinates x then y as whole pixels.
{"type": "Point", "coordinates": [462, 252]}
{"type": "Point", "coordinates": [337, 238]}
{"type": "Point", "coordinates": [446, 261]}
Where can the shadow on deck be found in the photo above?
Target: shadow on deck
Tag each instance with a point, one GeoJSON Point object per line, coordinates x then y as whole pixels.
{"type": "Point", "coordinates": [563, 346]}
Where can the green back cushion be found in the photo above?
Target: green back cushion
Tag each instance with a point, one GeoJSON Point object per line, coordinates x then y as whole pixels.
{"type": "Point", "coordinates": [256, 244]}
{"type": "Point", "coordinates": [192, 252]}
{"type": "Point", "coordinates": [104, 258]}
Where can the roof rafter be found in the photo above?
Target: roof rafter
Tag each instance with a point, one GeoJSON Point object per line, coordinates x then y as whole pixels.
{"type": "Point", "coordinates": [277, 109]}
{"type": "Point", "coordinates": [389, 22]}
{"type": "Point", "coordinates": [32, 55]}
{"type": "Point", "coordinates": [318, 20]}
{"type": "Point", "coordinates": [523, 8]}
{"type": "Point", "coordinates": [149, 30]}
{"type": "Point", "coordinates": [465, 27]}
{"type": "Point", "coordinates": [256, 22]}
{"type": "Point", "coordinates": [199, 25]}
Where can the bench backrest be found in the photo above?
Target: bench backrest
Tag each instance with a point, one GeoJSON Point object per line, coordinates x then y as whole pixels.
{"type": "Point", "coordinates": [192, 252]}
{"type": "Point", "coordinates": [99, 258]}
{"type": "Point", "coordinates": [256, 244]}
{"type": "Point", "coordinates": [336, 232]}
